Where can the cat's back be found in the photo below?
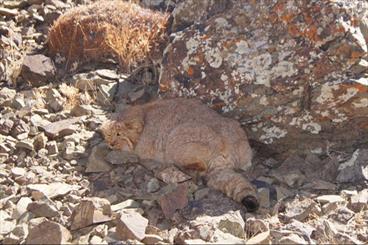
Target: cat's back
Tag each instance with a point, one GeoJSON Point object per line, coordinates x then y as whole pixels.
{"type": "Point", "coordinates": [162, 117]}
{"type": "Point", "coordinates": [177, 111]}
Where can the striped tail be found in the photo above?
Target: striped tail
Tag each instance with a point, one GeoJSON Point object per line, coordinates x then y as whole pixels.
{"type": "Point", "coordinates": [235, 186]}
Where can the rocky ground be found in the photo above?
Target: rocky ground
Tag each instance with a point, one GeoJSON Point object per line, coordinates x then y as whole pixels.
{"type": "Point", "coordinates": [60, 183]}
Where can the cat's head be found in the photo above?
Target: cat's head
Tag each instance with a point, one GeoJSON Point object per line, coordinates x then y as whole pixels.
{"type": "Point", "coordinates": [122, 135]}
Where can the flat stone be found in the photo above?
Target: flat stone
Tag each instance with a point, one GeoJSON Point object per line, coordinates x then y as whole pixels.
{"type": "Point", "coordinates": [4, 148]}
{"type": "Point", "coordinates": [18, 172]}
{"type": "Point", "coordinates": [21, 231]}
{"type": "Point", "coordinates": [355, 169]}
{"type": "Point", "coordinates": [173, 200]}
{"type": "Point", "coordinates": [126, 204]}
{"type": "Point", "coordinates": [11, 239]}
{"type": "Point", "coordinates": [8, 12]}
{"type": "Point", "coordinates": [195, 241]}
{"type": "Point", "coordinates": [38, 121]}
{"type": "Point", "coordinates": [153, 185]}
{"type": "Point", "coordinates": [348, 193]}
{"type": "Point", "coordinates": [96, 240]}
{"type": "Point", "coordinates": [20, 127]}
{"type": "Point", "coordinates": [6, 126]}
{"type": "Point", "coordinates": [25, 144]}
{"type": "Point", "coordinates": [90, 211]}
{"type": "Point", "coordinates": [105, 93]}
{"type": "Point", "coordinates": [261, 238]}
{"type": "Point", "coordinates": [53, 190]}
{"type": "Point", "coordinates": [342, 215]}
{"type": "Point", "coordinates": [21, 207]}
{"type": "Point", "coordinates": [18, 102]}
{"type": "Point", "coordinates": [69, 150]}
{"type": "Point", "coordinates": [172, 175]}
{"type": "Point", "coordinates": [303, 229]}
{"type": "Point", "coordinates": [42, 209]}
{"type": "Point", "coordinates": [121, 157]}
{"type": "Point", "coordinates": [264, 197]}
{"type": "Point", "coordinates": [202, 193]}
{"type": "Point", "coordinates": [36, 2]}
{"type": "Point", "coordinates": [152, 239]}
{"type": "Point", "coordinates": [81, 110]}
{"type": "Point", "coordinates": [136, 95]}
{"type": "Point", "coordinates": [256, 226]}
{"type": "Point", "coordinates": [40, 141]}
{"type": "Point", "coordinates": [330, 207]}
{"type": "Point", "coordinates": [52, 148]}
{"type": "Point", "coordinates": [292, 239]}
{"type": "Point", "coordinates": [329, 199]}
{"type": "Point", "coordinates": [41, 111]}
{"type": "Point", "coordinates": [6, 96]}
{"type": "Point", "coordinates": [88, 81]}
{"type": "Point", "coordinates": [319, 185]}
{"type": "Point", "coordinates": [7, 226]}
{"type": "Point", "coordinates": [96, 160]}
{"type": "Point", "coordinates": [4, 215]}
{"type": "Point", "coordinates": [38, 69]}
{"type": "Point", "coordinates": [48, 232]}
{"type": "Point", "coordinates": [294, 179]}
{"type": "Point", "coordinates": [359, 201]}
{"type": "Point", "coordinates": [131, 225]}
{"type": "Point", "coordinates": [108, 74]}
{"type": "Point", "coordinates": [232, 223]}
{"type": "Point", "coordinates": [331, 231]}
{"type": "Point", "coordinates": [300, 209]}
{"type": "Point", "coordinates": [55, 101]}
{"type": "Point", "coordinates": [56, 128]}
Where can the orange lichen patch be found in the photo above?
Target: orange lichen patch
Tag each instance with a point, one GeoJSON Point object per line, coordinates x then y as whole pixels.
{"type": "Point", "coordinates": [205, 37]}
{"type": "Point", "coordinates": [287, 17]}
{"type": "Point", "coordinates": [279, 7]}
{"type": "Point", "coordinates": [272, 18]}
{"type": "Point", "coordinates": [293, 30]}
{"type": "Point", "coordinates": [346, 50]}
{"type": "Point", "coordinates": [311, 34]}
{"type": "Point", "coordinates": [337, 29]}
{"type": "Point", "coordinates": [355, 22]}
{"type": "Point", "coordinates": [164, 87]}
{"type": "Point", "coordinates": [116, 29]}
{"type": "Point", "coordinates": [228, 43]}
{"type": "Point", "coordinates": [308, 19]}
{"type": "Point", "coordinates": [190, 71]}
{"type": "Point", "coordinates": [200, 58]}
{"type": "Point", "coordinates": [360, 87]}
{"type": "Point", "coordinates": [322, 68]}
{"type": "Point", "coordinates": [356, 55]}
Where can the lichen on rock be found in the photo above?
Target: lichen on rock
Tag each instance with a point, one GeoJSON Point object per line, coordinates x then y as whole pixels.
{"type": "Point", "coordinates": [295, 66]}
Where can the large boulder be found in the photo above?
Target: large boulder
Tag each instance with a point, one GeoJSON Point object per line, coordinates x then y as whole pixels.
{"type": "Point", "coordinates": [292, 72]}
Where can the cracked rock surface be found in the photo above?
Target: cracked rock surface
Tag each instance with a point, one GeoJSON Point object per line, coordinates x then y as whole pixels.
{"type": "Point", "coordinates": [287, 70]}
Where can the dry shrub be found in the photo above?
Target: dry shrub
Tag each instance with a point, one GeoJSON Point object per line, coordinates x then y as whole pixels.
{"type": "Point", "coordinates": [108, 29]}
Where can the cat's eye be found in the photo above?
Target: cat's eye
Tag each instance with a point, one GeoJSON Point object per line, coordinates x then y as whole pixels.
{"type": "Point", "coordinates": [118, 134]}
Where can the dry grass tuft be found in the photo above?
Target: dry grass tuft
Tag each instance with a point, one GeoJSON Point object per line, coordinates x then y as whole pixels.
{"type": "Point", "coordinates": [108, 29]}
